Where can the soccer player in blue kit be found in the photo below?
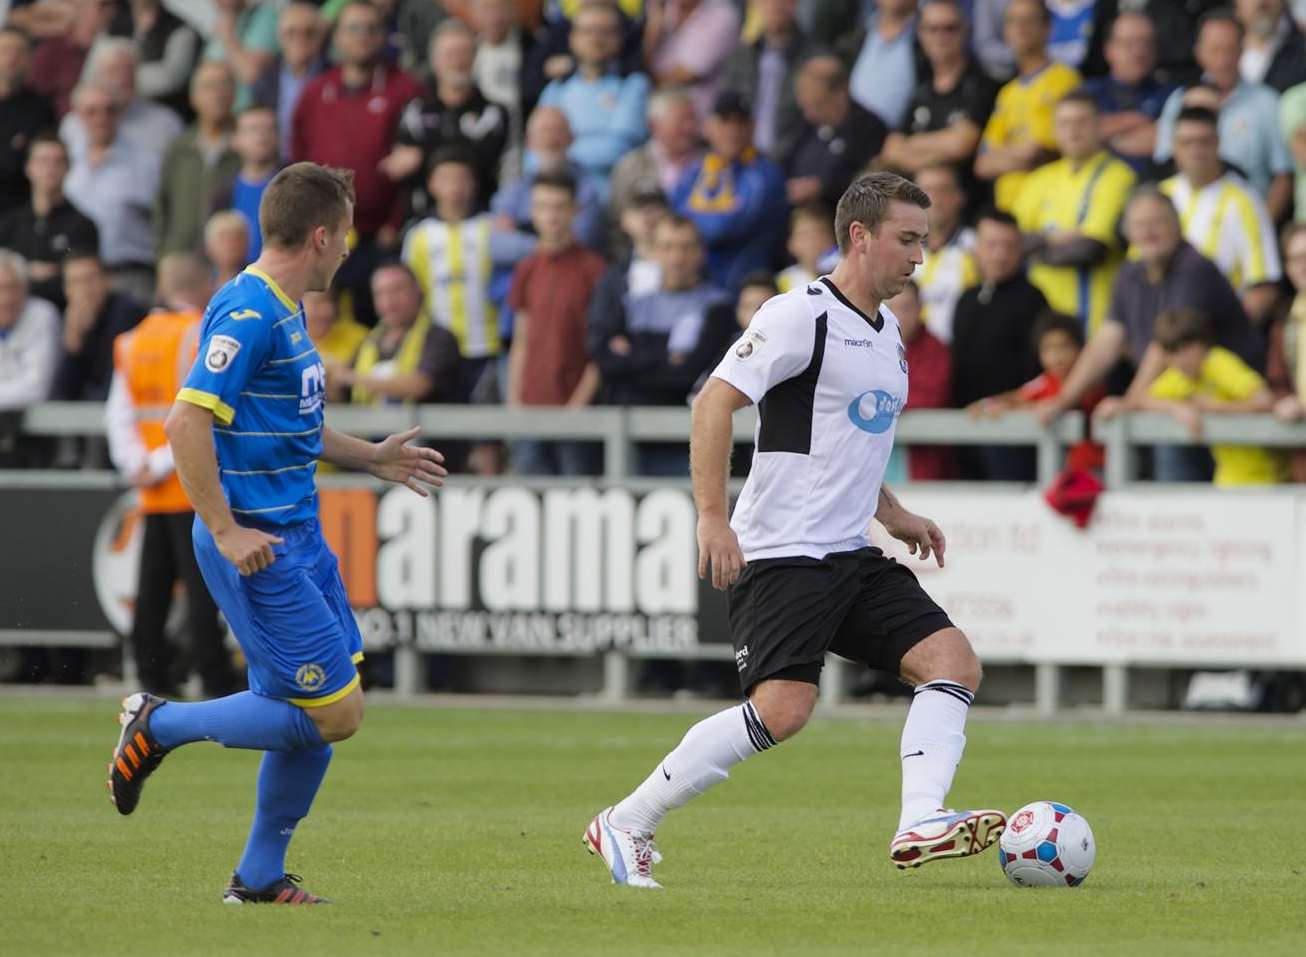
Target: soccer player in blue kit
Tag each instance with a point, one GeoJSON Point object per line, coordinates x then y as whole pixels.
{"type": "Point", "coordinates": [246, 432]}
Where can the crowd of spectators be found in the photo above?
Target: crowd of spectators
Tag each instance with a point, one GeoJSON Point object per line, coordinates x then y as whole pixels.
{"type": "Point", "coordinates": [580, 202]}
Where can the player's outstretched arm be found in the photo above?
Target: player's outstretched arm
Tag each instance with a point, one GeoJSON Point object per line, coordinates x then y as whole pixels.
{"type": "Point", "coordinates": [190, 433]}
{"type": "Point", "coordinates": [391, 459]}
{"type": "Point", "coordinates": [920, 534]}
{"type": "Point", "coordinates": [710, 443]}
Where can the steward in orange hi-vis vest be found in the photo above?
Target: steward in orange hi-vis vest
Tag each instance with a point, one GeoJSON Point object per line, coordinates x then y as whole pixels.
{"type": "Point", "coordinates": [152, 361]}
{"type": "Point", "coordinates": [149, 365]}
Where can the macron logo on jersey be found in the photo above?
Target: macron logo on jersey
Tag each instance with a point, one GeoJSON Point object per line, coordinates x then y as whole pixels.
{"type": "Point", "coordinates": [874, 411]}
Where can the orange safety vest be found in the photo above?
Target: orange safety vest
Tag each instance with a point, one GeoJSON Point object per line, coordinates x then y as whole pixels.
{"type": "Point", "coordinates": [153, 360]}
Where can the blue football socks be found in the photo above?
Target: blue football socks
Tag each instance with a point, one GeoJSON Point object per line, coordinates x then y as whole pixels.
{"type": "Point", "coordinates": [243, 720]}
{"type": "Point", "coordinates": [287, 784]}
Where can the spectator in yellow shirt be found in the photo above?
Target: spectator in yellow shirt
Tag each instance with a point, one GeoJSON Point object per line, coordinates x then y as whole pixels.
{"type": "Point", "coordinates": [1201, 377]}
{"type": "Point", "coordinates": [1018, 136]}
{"type": "Point", "coordinates": [1069, 212]}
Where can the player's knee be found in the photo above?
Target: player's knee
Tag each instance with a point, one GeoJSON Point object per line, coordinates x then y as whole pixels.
{"type": "Point", "coordinates": [341, 721]}
{"type": "Point", "coordinates": [788, 722]}
{"type": "Point", "coordinates": [784, 709]}
{"type": "Point", "coordinates": [963, 667]}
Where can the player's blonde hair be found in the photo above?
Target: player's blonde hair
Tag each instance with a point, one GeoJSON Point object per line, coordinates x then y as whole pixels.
{"type": "Point", "coordinates": [300, 198]}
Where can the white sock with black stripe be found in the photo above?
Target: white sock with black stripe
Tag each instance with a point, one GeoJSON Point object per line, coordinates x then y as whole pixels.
{"type": "Point", "coordinates": [932, 742]}
{"type": "Point", "coordinates": [703, 758]}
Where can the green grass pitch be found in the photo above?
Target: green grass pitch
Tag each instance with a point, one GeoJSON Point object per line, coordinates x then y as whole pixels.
{"type": "Point", "coordinates": [451, 831]}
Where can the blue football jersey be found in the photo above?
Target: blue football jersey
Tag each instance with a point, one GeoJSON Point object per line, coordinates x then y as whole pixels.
{"type": "Point", "coordinates": [259, 374]}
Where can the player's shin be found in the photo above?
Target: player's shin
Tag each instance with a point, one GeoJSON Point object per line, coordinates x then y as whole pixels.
{"type": "Point", "coordinates": [287, 783]}
{"type": "Point", "coordinates": [933, 740]}
{"type": "Point", "coordinates": [703, 758]}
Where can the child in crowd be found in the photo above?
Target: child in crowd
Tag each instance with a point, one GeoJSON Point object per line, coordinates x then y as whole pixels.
{"type": "Point", "coordinates": [226, 245]}
{"type": "Point", "coordinates": [811, 237]}
{"type": "Point", "coordinates": [1202, 377]}
{"type": "Point", "coordinates": [1057, 339]}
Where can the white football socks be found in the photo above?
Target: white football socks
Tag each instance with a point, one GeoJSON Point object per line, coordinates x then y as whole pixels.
{"type": "Point", "coordinates": [703, 758]}
{"type": "Point", "coordinates": [932, 742]}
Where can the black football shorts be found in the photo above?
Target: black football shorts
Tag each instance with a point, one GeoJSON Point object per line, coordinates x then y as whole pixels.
{"type": "Point", "coordinates": [786, 613]}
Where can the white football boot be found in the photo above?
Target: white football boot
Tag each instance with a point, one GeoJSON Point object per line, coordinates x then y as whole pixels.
{"type": "Point", "coordinates": [629, 857]}
{"type": "Point", "coordinates": [946, 834]}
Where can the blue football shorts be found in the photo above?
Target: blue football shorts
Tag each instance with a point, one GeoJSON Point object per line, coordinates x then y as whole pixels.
{"type": "Point", "coordinates": [292, 619]}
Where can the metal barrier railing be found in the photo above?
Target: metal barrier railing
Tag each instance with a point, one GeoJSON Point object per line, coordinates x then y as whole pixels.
{"type": "Point", "coordinates": [619, 429]}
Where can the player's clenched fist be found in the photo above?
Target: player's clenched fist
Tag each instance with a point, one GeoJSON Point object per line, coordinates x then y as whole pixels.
{"type": "Point", "coordinates": [249, 549]}
{"type": "Point", "coordinates": [718, 548]}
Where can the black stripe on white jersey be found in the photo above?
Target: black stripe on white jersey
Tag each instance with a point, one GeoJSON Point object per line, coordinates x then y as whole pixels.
{"type": "Point", "coordinates": [877, 323]}
{"type": "Point", "coordinates": [786, 409]}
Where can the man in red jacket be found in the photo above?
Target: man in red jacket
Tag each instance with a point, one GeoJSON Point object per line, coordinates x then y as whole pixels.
{"type": "Point", "coordinates": [348, 117]}
{"type": "Point", "coordinates": [929, 382]}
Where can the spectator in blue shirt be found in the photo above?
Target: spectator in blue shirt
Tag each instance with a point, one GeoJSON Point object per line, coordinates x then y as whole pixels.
{"type": "Point", "coordinates": [1130, 97]}
{"type": "Point", "coordinates": [734, 196]}
{"type": "Point", "coordinates": [884, 74]}
{"type": "Point", "coordinates": [256, 143]}
{"type": "Point", "coordinates": [606, 110]}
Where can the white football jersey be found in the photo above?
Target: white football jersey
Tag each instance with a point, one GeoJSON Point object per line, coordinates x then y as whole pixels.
{"type": "Point", "coordinates": [829, 383]}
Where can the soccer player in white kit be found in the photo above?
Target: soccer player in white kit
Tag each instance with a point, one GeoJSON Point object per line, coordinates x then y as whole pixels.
{"type": "Point", "coordinates": [826, 367]}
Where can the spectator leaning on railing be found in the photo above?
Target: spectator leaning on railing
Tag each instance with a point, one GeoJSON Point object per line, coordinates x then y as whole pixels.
{"type": "Point", "coordinates": [1167, 274]}
{"type": "Point", "coordinates": [1202, 377]}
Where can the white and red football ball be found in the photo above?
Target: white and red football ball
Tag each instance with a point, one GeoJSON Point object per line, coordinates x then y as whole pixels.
{"type": "Point", "coordinates": [1046, 845]}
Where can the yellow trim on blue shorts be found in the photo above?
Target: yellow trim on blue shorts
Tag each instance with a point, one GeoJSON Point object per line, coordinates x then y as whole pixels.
{"type": "Point", "coordinates": [207, 400]}
{"type": "Point", "coordinates": [356, 657]}
{"type": "Point", "coordinates": [325, 700]}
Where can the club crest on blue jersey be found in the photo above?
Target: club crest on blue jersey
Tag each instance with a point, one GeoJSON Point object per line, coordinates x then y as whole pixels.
{"type": "Point", "coordinates": [874, 411]}
{"type": "Point", "coordinates": [310, 677]}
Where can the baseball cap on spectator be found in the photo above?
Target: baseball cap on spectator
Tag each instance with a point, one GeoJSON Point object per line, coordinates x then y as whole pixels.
{"type": "Point", "coordinates": [732, 105]}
